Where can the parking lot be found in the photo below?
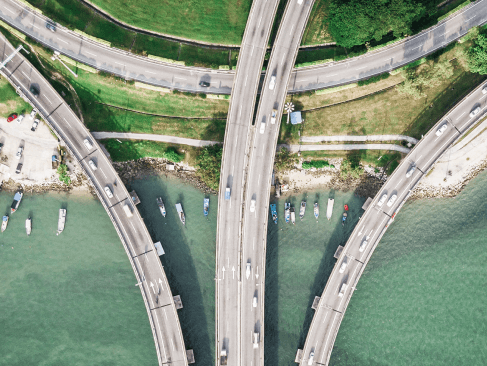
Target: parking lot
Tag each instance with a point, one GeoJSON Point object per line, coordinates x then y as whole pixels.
{"type": "Point", "coordinates": [38, 148]}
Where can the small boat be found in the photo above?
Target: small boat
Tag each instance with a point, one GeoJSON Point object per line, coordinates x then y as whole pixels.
{"type": "Point", "coordinates": [162, 208]}
{"type": "Point", "coordinates": [15, 204]}
{"type": "Point", "coordinates": [287, 212]}
{"type": "Point", "coordinates": [180, 211]}
{"type": "Point", "coordinates": [345, 207]}
{"type": "Point", "coordinates": [329, 208]}
{"type": "Point", "coordinates": [293, 216]}
{"type": "Point", "coordinates": [61, 221]}
{"type": "Point", "coordinates": [316, 210]}
{"type": "Point", "coordinates": [274, 213]}
{"type": "Point", "coordinates": [28, 226]}
{"type": "Point", "coordinates": [344, 218]}
{"type": "Point", "coordinates": [302, 209]}
{"type": "Point", "coordinates": [4, 223]}
{"type": "Point", "coordinates": [206, 206]}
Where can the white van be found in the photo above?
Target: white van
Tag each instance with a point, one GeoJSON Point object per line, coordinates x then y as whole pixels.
{"type": "Point", "coordinates": [127, 209]}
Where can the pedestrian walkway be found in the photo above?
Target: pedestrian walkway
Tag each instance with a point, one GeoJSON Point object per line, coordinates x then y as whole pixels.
{"type": "Point", "coordinates": [298, 148]}
{"type": "Point", "coordinates": [316, 139]}
{"type": "Point", "coordinates": [152, 137]}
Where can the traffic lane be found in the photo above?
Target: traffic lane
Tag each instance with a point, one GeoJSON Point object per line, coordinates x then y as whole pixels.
{"type": "Point", "coordinates": [462, 119]}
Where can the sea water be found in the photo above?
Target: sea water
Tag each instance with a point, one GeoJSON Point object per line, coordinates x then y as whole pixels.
{"type": "Point", "coordinates": [72, 298]}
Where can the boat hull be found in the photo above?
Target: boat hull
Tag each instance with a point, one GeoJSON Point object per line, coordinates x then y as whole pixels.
{"type": "Point", "coordinates": [28, 226]}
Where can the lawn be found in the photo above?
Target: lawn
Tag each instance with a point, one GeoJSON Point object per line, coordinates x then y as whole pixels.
{"type": "Point", "coordinates": [316, 31]}
{"type": "Point", "coordinates": [10, 102]}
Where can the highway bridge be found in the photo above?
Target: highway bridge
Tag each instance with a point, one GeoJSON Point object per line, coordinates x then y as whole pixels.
{"type": "Point", "coordinates": [143, 69]}
{"type": "Point", "coordinates": [132, 231]}
{"type": "Point", "coordinates": [374, 222]}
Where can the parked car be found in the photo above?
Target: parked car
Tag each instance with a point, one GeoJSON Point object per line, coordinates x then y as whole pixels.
{"type": "Point", "coordinates": [34, 90]}
{"type": "Point", "coordinates": [204, 84]}
{"type": "Point", "coordinates": [19, 168]}
{"type": "Point", "coordinates": [35, 125]}
{"type": "Point", "coordinates": [272, 83]}
{"type": "Point", "coordinates": [392, 200]}
{"type": "Point", "coordinates": [11, 117]}
{"type": "Point", "coordinates": [92, 165]}
{"type": "Point", "coordinates": [108, 191]}
{"type": "Point", "coordinates": [20, 118]}
{"type": "Point", "coordinates": [19, 152]}
{"type": "Point", "coordinates": [33, 114]}
{"type": "Point", "coordinates": [475, 112]}
{"type": "Point", "coordinates": [442, 129]}
{"type": "Point", "coordinates": [382, 200]}
{"type": "Point", "coordinates": [88, 144]}
{"type": "Point", "coordinates": [273, 116]}
{"type": "Point", "coordinates": [410, 171]}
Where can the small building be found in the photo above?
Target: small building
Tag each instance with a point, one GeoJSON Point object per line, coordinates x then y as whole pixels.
{"type": "Point", "coordinates": [135, 198]}
{"type": "Point", "coordinates": [296, 118]}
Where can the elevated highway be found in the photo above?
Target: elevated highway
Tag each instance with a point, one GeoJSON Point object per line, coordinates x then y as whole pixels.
{"type": "Point", "coordinates": [374, 222]}
{"type": "Point", "coordinates": [231, 332]}
{"type": "Point", "coordinates": [143, 69]}
{"type": "Point", "coordinates": [132, 231]}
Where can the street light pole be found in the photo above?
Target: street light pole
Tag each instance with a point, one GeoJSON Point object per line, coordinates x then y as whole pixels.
{"type": "Point", "coordinates": [289, 107]}
{"type": "Point", "coordinates": [2, 65]}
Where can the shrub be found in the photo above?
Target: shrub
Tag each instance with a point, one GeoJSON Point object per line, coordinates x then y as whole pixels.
{"type": "Point", "coordinates": [62, 170]}
{"type": "Point", "coordinates": [209, 163]}
{"type": "Point", "coordinates": [172, 155]}
{"type": "Point", "coordinates": [318, 164]}
{"type": "Point", "coordinates": [351, 168]}
{"type": "Point", "coordinates": [373, 79]}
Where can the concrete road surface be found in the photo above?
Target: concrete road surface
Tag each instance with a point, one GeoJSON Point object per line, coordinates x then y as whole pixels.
{"type": "Point", "coordinates": [374, 222]}
{"type": "Point", "coordinates": [142, 69]}
{"type": "Point", "coordinates": [137, 242]}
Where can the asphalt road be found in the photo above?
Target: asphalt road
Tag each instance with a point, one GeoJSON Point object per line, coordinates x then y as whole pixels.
{"type": "Point", "coordinates": [231, 329]}
{"type": "Point", "coordinates": [142, 69]}
{"type": "Point", "coordinates": [372, 225]}
{"type": "Point", "coordinates": [137, 242]}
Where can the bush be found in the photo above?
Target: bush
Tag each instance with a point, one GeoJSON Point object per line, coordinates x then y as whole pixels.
{"type": "Point", "coordinates": [172, 155]}
{"type": "Point", "coordinates": [209, 163]}
{"type": "Point", "coordinates": [202, 95]}
{"type": "Point", "coordinates": [62, 170]}
{"type": "Point", "coordinates": [318, 164]}
{"type": "Point", "coordinates": [477, 55]}
{"type": "Point", "coordinates": [283, 159]}
{"type": "Point", "coordinates": [351, 168]}
{"type": "Point", "coordinates": [374, 79]}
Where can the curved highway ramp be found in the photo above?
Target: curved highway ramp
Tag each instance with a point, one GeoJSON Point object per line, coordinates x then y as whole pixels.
{"type": "Point", "coordinates": [128, 223]}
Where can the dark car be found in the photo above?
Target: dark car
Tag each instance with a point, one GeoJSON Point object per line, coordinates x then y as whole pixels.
{"type": "Point", "coordinates": [51, 26]}
{"type": "Point", "coordinates": [34, 90]}
{"type": "Point", "coordinates": [204, 84]}
{"type": "Point", "coordinates": [19, 168]}
{"type": "Point", "coordinates": [11, 117]}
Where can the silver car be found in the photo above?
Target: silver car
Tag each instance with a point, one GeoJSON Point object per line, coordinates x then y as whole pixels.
{"type": "Point", "coordinates": [392, 200]}
{"type": "Point", "coordinates": [382, 200]}
{"type": "Point", "coordinates": [441, 129]}
{"type": "Point", "coordinates": [272, 83]}
{"type": "Point", "coordinates": [262, 127]}
{"type": "Point", "coordinates": [19, 152]}
{"type": "Point", "coordinates": [108, 191]}
{"type": "Point", "coordinates": [92, 165]}
{"type": "Point", "coordinates": [88, 144]}
{"type": "Point", "coordinates": [363, 245]}
{"type": "Point", "coordinates": [475, 112]}
{"type": "Point", "coordinates": [252, 205]}
{"type": "Point", "coordinates": [410, 171]}
{"type": "Point", "coordinates": [343, 266]}
{"type": "Point", "coordinates": [20, 118]}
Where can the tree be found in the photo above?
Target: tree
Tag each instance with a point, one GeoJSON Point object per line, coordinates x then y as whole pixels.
{"type": "Point", "coordinates": [209, 163]}
{"type": "Point", "coordinates": [477, 55]}
{"type": "Point", "coordinates": [351, 168]}
{"type": "Point", "coordinates": [354, 22]}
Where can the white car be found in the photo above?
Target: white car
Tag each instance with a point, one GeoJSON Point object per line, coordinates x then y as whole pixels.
{"type": "Point", "coordinates": [34, 125]}
{"type": "Point", "coordinates": [311, 357]}
{"type": "Point", "coordinates": [108, 191]}
{"type": "Point", "coordinates": [19, 152]}
{"type": "Point", "coordinates": [256, 339]}
{"type": "Point", "coordinates": [272, 83]}
{"type": "Point", "coordinates": [300, 2]}
{"type": "Point", "coordinates": [343, 266]}
{"type": "Point", "coordinates": [484, 90]}
{"type": "Point", "coordinates": [392, 200]}
{"type": "Point", "coordinates": [20, 118]}
{"type": "Point", "coordinates": [382, 200]}
{"type": "Point", "coordinates": [441, 129]}
{"type": "Point", "coordinates": [475, 112]}
{"type": "Point", "coordinates": [33, 114]}
{"type": "Point", "coordinates": [262, 127]}
{"type": "Point", "coordinates": [247, 271]}
{"type": "Point", "coordinates": [88, 144]}
{"type": "Point", "coordinates": [92, 165]}
{"type": "Point", "coordinates": [273, 116]}
{"type": "Point", "coordinates": [363, 245]}
{"type": "Point", "coordinates": [254, 301]}
{"type": "Point", "coordinates": [252, 205]}
{"type": "Point", "coordinates": [410, 171]}
{"type": "Point", "coordinates": [342, 291]}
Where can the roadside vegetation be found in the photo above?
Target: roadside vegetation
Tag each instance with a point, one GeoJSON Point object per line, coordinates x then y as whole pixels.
{"type": "Point", "coordinates": [132, 150]}
{"type": "Point", "coordinates": [10, 102]}
{"type": "Point", "coordinates": [208, 163]}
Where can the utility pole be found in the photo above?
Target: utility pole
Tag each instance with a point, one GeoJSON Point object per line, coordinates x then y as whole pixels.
{"type": "Point", "coordinates": [2, 65]}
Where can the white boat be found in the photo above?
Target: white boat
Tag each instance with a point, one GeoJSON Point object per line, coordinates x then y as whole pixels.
{"type": "Point", "coordinates": [28, 226]}
{"type": "Point", "coordinates": [4, 223]}
{"type": "Point", "coordinates": [61, 221]}
{"type": "Point", "coordinates": [329, 208]}
{"type": "Point", "coordinates": [287, 212]}
{"type": "Point", "coordinates": [162, 208]}
{"type": "Point", "coordinates": [293, 216]}
{"type": "Point", "coordinates": [15, 204]}
{"type": "Point", "coordinates": [317, 210]}
{"type": "Point", "coordinates": [302, 209]}
{"type": "Point", "coordinates": [180, 211]}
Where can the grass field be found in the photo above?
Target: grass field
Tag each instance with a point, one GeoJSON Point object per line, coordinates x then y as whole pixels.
{"type": "Point", "coordinates": [316, 30]}
{"type": "Point", "coordinates": [10, 102]}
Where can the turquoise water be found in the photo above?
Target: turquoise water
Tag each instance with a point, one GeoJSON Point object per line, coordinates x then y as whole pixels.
{"type": "Point", "coordinates": [71, 299]}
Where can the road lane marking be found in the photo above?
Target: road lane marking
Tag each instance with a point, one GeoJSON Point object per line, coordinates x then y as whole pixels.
{"type": "Point", "coordinates": [291, 32]}
{"type": "Point", "coordinates": [62, 40]}
{"type": "Point", "coordinates": [398, 184]}
{"type": "Point", "coordinates": [132, 226]}
{"type": "Point", "coordinates": [331, 75]}
{"type": "Point", "coordinates": [360, 68]}
{"type": "Point", "coordinates": [460, 116]}
{"type": "Point", "coordinates": [165, 314]}
{"type": "Point", "coordinates": [10, 10]}
{"type": "Point", "coordinates": [246, 77]}
{"type": "Point", "coordinates": [47, 99]}
{"type": "Point", "coordinates": [23, 73]}
{"type": "Point", "coordinates": [258, 26]}
{"type": "Point", "coordinates": [177, 77]}
{"type": "Point", "coordinates": [282, 60]}
{"type": "Point", "coordinates": [118, 63]}
{"type": "Point", "coordinates": [90, 53]}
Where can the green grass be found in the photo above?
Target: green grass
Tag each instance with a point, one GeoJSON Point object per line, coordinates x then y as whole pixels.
{"type": "Point", "coordinates": [197, 56]}
{"type": "Point", "coordinates": [132, 150]}
{"type": "Point", "coordinates": [316, 31]}
{"type": "Point", "coordinates": [10, 102]}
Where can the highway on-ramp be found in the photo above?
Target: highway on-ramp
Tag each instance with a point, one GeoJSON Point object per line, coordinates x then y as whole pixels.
{"type": "Point", "coordinates": [373, 224]}
{"type": "Point", "coordinates": [143, 69]}
{"type": "Point", "coordinates": [132, 231]}
{"type": "Point", "coordinates": [231, 336]}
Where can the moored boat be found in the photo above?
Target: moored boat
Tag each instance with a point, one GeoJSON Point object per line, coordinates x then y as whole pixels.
{"type": "Point", "coordinates": [293, 216]}
{"type": "Point", "coordinates": [4, 223]}
{"type": "Point", "coordinates": [344, 218]}
{"type": "Point", "coordinates": [180, 211]}
{"type": "Point", "coordinates": [274, 213]}
{"type": "Point", "coordinates": [15, 204]}
{"type": "Point", "coordinates": [28, 226]}
{"type": "Point", "coordinates": [61, 221]}
{"type": "Point", "coordinates": [206, 206]}
{"type": "Point", "coordinates": [316, 210]}
{"type": "Point", "coordinates": [162, 208]}
{"type": "Point", "coordinates": [302, 209]}
{"type": "Point", "coordinates": [329, 208]}
{"type": "Point", "coordinates": [287, 212]}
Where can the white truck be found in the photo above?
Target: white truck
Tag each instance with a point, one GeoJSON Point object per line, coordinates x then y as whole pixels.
{"type": "Point", "coordinates": [342, 289]}
{"type": "Point", "coordinates": [223, 357]}
{"type": "Point", "coordinates": [127, 209]}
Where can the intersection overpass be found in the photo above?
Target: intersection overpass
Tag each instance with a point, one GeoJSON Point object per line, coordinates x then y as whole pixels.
{"type": "Point", "coordinates": [132, 231]}
{"type": "Point", "coordinates": [143, 69]}
{"type": "Point", "coordinates": [374, 222]}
